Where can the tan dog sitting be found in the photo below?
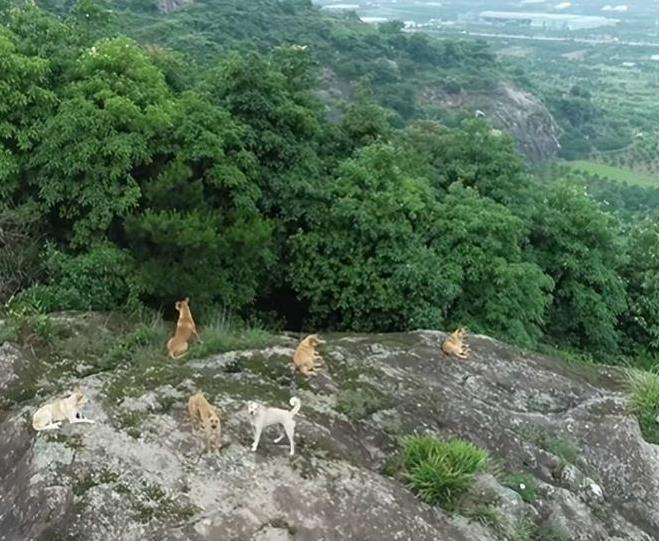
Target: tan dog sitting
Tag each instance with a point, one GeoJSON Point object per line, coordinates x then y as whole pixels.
{"type": "Point", "coordinates": [206, 417]}
{"type": "Point", "coordinates": [177, 346]}
{"type": "Point", "coordinates": [455, 344]}
{"type": "Point", "coordinates": [306, 359]}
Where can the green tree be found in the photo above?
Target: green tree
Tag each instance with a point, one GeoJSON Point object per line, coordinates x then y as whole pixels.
{"type": "Point", "coordinates": [367, 262]}
{"type": "Point", "coordinates": [271, 97]}
{"type": "Point", "coordinates": [476, 156]}
{"type": "Point", "coordinates": [640, 323]}
{"type": "Point", "coordinates": [25, 101]}
{"type": "Point", "coordinates": [500, 292]}
{"type": "Point", "coordinates": [578, 245]}
{"type": "Point", "coordinates": [199, 232]}
{"type": "Point", "coordinates": [84, 169]}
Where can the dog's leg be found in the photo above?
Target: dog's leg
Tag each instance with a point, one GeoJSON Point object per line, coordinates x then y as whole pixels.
{"type": "Point", "coordinates": [194, 331]}
{"type": "Point", "coordinates": [290, 433]}
{"type": "Point", "coordinates": [73, 419]}
{"type": "Point", "coordinates": [51, 426]}
{"type": "Point", "coordinates": [257, 437]}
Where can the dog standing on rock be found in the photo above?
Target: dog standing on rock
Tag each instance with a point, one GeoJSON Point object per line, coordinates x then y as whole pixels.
{"type": "Point", "coordinates": [177, 346]}
{"type": "Point", "coordinates": [262, 417]}
{"type": "Point", "coordinates": [204, 415]}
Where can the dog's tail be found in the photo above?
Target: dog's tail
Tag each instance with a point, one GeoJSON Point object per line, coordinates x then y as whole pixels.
{"type": "Point", "coordinates": [295, 402]}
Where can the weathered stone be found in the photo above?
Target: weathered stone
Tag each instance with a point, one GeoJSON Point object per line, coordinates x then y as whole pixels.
{"type": "Point", "coordinates": [511, 109]}
{"type": "Point", "coordinates": [140, 473]}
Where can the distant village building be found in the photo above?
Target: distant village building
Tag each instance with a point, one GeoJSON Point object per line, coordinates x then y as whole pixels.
{"type": "Point", "coordinates": [547, 21]}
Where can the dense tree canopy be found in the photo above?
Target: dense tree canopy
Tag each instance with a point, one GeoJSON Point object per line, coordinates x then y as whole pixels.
{"type": "Point", "coordinates": [129, 174]}
{"type": "Point", "coordinates": [578, 244]}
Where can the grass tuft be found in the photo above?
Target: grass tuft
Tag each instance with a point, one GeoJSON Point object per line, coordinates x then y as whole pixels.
{"type": "Point", "coordinates": [524, 484]}
{"type": "Point", "coordinates": [223, 335]}
{"type": "Point", "coordinates": [643, 387]}
{"type": "Point", "coordinates": [440, 472]}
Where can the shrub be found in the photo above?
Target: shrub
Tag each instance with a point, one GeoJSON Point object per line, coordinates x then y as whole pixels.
{"type": "Point", "coordinates": [147, 340]}
{"type": "Point", "coordinates": [100, 279]}
{"type": "Point", "coordinates": [441, 471]}
{"type": "Point", "coordinates": [19, 250]}
{"type": "Point", "coordinates": [644, 401]}
{"type": "Point", "coordinates": [28, 322]}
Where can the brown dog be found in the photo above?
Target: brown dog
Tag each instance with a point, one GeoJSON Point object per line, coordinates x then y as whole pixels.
{"type": "Point", "coordinates": [306, 359]}
{"type": "Point", "coordinates": [177, 346]}
{"type": "Point", "coordinates": [455, 344]}
{"type": "Point", "coordinates": [206, 417]}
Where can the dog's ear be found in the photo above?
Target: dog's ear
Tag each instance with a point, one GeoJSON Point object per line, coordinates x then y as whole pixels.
{"type": "Point", "coordinates": [186, 300]}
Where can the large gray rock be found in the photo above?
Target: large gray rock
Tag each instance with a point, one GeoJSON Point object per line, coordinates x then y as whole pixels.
{"type": "Point", "coordinates": [511, 109]}
{"type": "Point", "coordinates": [11, 362]}
{"type": "Point", "coordinates": [139, 473]}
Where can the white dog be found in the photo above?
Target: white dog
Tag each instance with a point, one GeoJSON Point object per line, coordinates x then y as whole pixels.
{"type": "Point", "coordinates": [263, 416]}
{"type": "Point", "coordinates": [51, 415]}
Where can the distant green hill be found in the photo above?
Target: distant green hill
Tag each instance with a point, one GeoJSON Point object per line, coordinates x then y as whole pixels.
{"type": "Point", "coordinates": [396, 65]}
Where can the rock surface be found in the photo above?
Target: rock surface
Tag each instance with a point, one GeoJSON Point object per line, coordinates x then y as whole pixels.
{"type": "Point", "coordinates": [169, 6]}
{"type": "Point", "coordinates": [511, 109]}
{"type": "Point", "coordinates": [139, 473]}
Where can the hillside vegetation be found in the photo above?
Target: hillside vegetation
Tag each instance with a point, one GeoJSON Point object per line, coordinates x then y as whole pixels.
{"type": "Point", "coordinates": [131, 177]}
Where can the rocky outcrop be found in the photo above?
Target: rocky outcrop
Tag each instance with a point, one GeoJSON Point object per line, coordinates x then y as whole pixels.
{"type": "Point", "coordinates": [168, 6]}
{"type": "Point", "coordinates": [511, 109]}
{"type": "Point", "coordinates": [139, 473]}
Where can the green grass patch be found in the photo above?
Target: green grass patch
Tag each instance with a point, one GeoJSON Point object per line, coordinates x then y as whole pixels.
{"type": "Point", "coordinates": [644, 401]}
{"type": "Point", "coordinates": [153, 503]}
{"type": "Point", "coordinates": [440, 472]}
{"type": "Point", "coordinates": [360, 402]}
{"type": "Point", "coordinates": [487, 514]}
{"type": "Point", "coordinates": [616, 174]}
{"type": "Point", "coordinates": [94, 479]}
{"type": "Point", "coordinates": [566, 450]}
{"type": "Point", "coordinates": [221, 336]}
{"type": "Point", "coordinates": [523, 531]}
{"type": "Point", "coordinates": [522, 483]}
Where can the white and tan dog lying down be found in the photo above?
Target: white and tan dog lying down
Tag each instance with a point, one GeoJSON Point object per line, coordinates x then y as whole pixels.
{"type": "Point", "coordinates": [263, 416]}
{"type": "Point", "coordinates": [51, 415]}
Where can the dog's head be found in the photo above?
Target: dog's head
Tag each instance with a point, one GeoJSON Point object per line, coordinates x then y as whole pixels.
{"type": "Point", "coordinates": [213, 420]}
{"type": "Point", "coordinates": [252, 408]}
{"type": "Point", "coordinates": [180, 305]}
{"type": "Point", "coordinates": [78, 396]}
{"type": "Point", "coordinates": [314, 341]}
